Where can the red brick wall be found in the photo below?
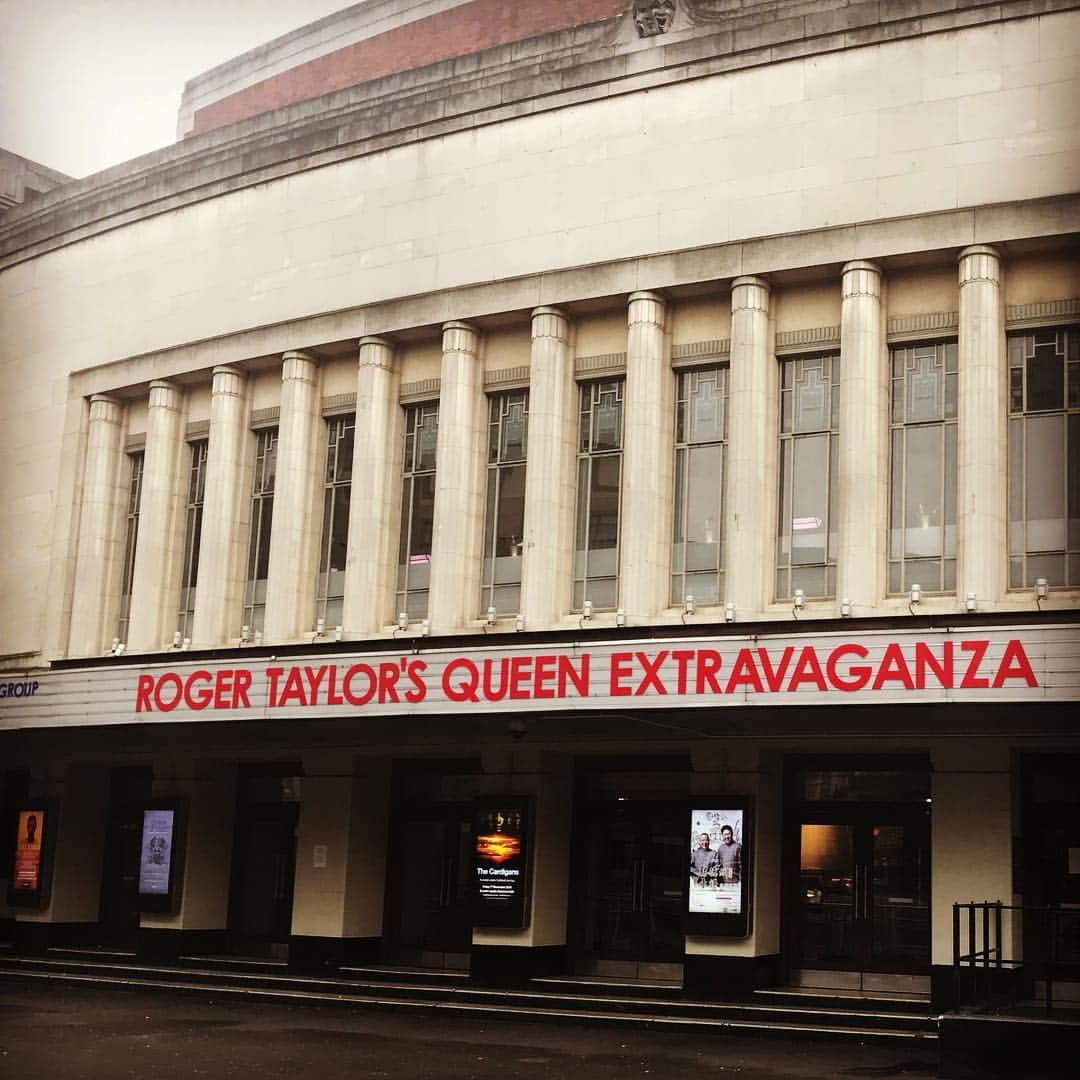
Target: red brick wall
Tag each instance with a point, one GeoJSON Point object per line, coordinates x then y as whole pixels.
{"type": "Point", "coordinates": [469, 28]}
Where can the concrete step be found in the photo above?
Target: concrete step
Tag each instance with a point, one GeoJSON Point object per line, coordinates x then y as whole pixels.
{"type": "Point", "coordinates": [492, 1004]}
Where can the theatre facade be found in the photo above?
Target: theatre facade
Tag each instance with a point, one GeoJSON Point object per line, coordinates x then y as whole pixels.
{"type": "Point", "coordinates": [601, 499]}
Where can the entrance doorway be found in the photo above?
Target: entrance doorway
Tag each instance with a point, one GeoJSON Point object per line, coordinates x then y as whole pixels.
{"type": "Point", "coordinates": [629, 900]}
{"type": "Point", "coordinates": [130, 790]}
{"type": "Point", "coordinates": [264, 860]}
{"type": "Point", "coordinates": [428, 896]}
{"type": "Point", "coordinates": [858, 875]}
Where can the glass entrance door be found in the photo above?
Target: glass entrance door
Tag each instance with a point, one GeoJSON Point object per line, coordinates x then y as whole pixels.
{"type": "Point", "coordinates": [863, 896]}
{"type": "Point", "coordinates": [629, 901]}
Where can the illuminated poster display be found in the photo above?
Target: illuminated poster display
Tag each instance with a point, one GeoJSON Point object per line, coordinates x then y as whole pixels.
{"type": "Point", "coordinates": [156, 856]}
{"type": "Point", "coordinates": [500, 863]}
{"type": "Point", "coordinates": [718, 896]}
{"type": "Point", "coordinates": [28, 851]}
{"type": "Point", "coordinates": [159, 856]}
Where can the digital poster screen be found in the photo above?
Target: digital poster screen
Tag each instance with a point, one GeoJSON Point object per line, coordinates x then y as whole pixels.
{"type": "Point", "coordinates": [156, 854]}
{"type": "Point", "coordinates": [500, 863]}
{"type": "Point", "coordinates": [717, 863]}
{"type": "Point", "coordinates": [28, 851]}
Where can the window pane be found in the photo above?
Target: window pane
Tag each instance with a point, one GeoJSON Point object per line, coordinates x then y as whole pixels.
{"type": "Point", "coordinates": [604, 503]}
{"type": "Point", "coordinates": [511, 511]}
{"type": "Point", "coordinates": [1073, 457]}
{"type": "Point", "coordinates": [1016, 486]}
{"type": "Point", "coordinates": [809, 499]}
{"type": "Point", "coordinates": [1045, 483]}
{"type": "Point", "coordinates": [423, 519]}
{"type": "Point", "coordinates": [1045, 374]}
{"type": "Point", "coordinates": [703, 520]}
{"type": "Point", "coordinates": [923, 495]}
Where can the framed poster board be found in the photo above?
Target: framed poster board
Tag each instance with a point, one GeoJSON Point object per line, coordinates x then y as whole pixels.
{"type": "Point", "coordinates": [30, 882]}
{"type": "Point", "coordinates": [160, 850]}
{"type": "Point", "coordinates": [719, 897]}
{"type": "Point", "coordinates": [502, 862]}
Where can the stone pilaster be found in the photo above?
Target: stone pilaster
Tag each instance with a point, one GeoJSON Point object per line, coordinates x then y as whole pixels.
{"type": "Point", "coordinates": [100, 543]}
{"type": "Point", "coordinates": [156, 578]}
{"type": "Point", "coordinates": [290, 586]}
{"type": "Point", "coordinates": [549, 477]}
{"type": "Point", "coordinates": [648, 425]}
{"type": "Point", "coordinates": [457, 548]}
{"type": "Point", "coordinates": [981, 431]}
{"type": "Point", "coordinates": [750, 513]}
{"type": "Point", "coordinates": [226, 513]}
{"type": "Point", "coordinates": [375, 507]}
{"type": "Point", "coordinates": [863, 465]}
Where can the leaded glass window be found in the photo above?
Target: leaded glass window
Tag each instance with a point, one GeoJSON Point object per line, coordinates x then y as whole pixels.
{"type": "Point", "coordinates": [131, 540]}
{"type": "Point", "coordinates": [922, 509]}
{"type": "Point", "coordinates": [1044, 457]}
{"type": "Point", "coordinates": [193, 515]}
{"type": "Point", "coordinates": [417, 509]}
{"type": "Point", "coordinates": [806, 542]}
{"type": "Point", "coordinates": [504, 518]}
{"type": "Point", "coordinates": [697, 553]}
{"type": "Point", "coordinates": [262, 517]}
{"type": "Point", "coordinates": [334, 544]}
{"type": "Point", "coordinates": [600, 441]}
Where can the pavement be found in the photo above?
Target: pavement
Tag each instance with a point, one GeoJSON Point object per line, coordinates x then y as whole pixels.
{"type": "Point", "coordinates": [59, 1033]}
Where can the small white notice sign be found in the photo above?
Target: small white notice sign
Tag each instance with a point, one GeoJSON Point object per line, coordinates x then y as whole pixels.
{"type": "Point", "coordinates": [318, 856]}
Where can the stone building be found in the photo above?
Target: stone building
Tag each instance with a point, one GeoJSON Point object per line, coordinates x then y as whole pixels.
{"type": "Point", "coordinates": [625, 419]}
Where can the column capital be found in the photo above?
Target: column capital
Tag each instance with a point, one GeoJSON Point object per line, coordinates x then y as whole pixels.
{"type": "Point", "coordinates": [646, 307]}
{"type": "Point", "coordinates": [549, 322]}
{"type": "Point", "coordinates": [165, 395]}
{"type": "Point", "coordinates": [105, 409]}
{"type": "Point", "coordinates": [750, 292]}
{"type": "Point", "coordinates": [460, 337]}
{"type": "Point", "coordinates": [861, 278]}
{"type": "Point", "coordinates": [376, 352]}
{"type": "Point", "coordinates": [298, 365]}
{"type": "Point", "coordinates": [979, 263]}
{"type": "Point", "coordinates": [227, 380]}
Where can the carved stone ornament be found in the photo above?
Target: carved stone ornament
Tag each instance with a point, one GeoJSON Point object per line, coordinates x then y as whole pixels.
{"type": "Point", "coordinates": [653, 17]}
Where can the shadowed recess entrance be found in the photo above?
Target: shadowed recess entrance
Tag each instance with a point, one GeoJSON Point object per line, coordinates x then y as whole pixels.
{"type": "Point", "coordinates": [858, 874]}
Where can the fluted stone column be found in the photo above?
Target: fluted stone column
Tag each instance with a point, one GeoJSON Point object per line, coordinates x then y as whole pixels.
{"type": "Point", "coordinates": [100, 544]}
{"type": "Point", "coordinates": [648, 434]}
{"type": "Point", "coordinates": [375, 507]}
{"type": "Point", "coordinates": [226, 513]}
{"type": "Point", "coordinates": [982, 408]}
{"type": "Point", "coordinates": [457, 548]}
{"type": "Point", "coordinates": [547, 561]}
{"type": "Point", "coordinates": [749, 516]}
{"type": "Point", "coordinates": [863, 465]}
{"type": "Point", "coordinates": [156, 578]}
{"type": "Point", "coordinates": [290, 586]}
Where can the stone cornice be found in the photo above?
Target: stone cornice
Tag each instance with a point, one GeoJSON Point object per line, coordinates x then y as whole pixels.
{"type": "Point", "coordinates": [484, 88]}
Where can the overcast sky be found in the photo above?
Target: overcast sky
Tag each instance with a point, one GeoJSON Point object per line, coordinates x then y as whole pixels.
{"type": "Point", "coordinates": [85, 84]}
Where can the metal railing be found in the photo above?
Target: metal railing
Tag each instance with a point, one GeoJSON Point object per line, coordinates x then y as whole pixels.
{"type": "Point", "coordinates": [985, 978]}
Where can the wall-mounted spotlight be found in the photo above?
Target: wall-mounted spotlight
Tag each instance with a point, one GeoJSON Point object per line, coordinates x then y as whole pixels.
{"type": "Point", "coordinates": [245, 634]}
{"type": "Point", "coordinates": [339, 633]}
{"type": "Point", "coordinates": [620, 617]}
{"type": "Point", "coordinates": [969, 602]}
{"type": "Point", "coordinates": [491, 616]}
{"type": "Point", "coordinates": [320, 626]}
{"type": "Point", "coordinates": [845, 608]}
{"type": "Point", "coordinates": [1042, 587]}
{"type": "Point", "coordinates": [425, 628]}
{"type": "Point", "coordinates": [797, 602]}
{"type": "Point", "coordinates": [519, 622]}
{"type": "Point", "coordinates": [403, 620]}
{"type": "Point", "coordinates": [914, 597]}
{"type": "Point", "coordinates": [729, 612]}
{"type": "Point", "coordinates": [186, 644]}
{"type": "Point", "coordinates": [689, 605]}
{"type": "Point", "coordinates": [177, 639]}
{"type": "Point", "coordinates": [119, 648]}
{"type": "Point", "coordinates": [586, 610]}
